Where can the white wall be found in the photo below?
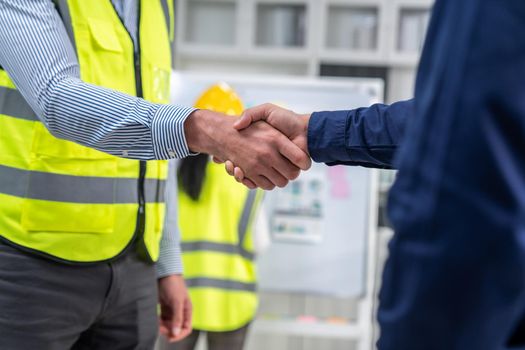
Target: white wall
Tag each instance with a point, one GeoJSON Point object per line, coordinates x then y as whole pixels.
{"type": "Point", "coordinates": [401, 83]}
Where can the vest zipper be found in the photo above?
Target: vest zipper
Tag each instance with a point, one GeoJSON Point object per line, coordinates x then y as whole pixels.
{"type": "Point", "coordinates": [138, 236]}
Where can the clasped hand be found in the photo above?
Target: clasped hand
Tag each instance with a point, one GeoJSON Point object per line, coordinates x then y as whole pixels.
{"type": "Point", "coordinates": [293, 126]}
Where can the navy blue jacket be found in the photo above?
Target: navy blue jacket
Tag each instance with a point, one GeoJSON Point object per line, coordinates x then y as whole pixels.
{"type": "Point", "coordinates": [455, 277]}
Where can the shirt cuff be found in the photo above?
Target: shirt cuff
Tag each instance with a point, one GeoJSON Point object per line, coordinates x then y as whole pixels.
{"type": "Point", "coordinates": [170, 261]}
{"type": "Point", "coordinates": [167, 132]}
{"type": "Point", "coordinates": [327, 136]}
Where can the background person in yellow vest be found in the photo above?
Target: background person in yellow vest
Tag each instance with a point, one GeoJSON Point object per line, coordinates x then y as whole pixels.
{"type": "Point", "coordinates": [84, 88]}
{"type": "Point", "coordinates": [217, 216]}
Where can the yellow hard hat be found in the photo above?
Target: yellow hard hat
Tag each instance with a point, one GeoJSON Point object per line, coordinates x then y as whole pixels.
{"type": "Point", "coordinates": [221, 98]}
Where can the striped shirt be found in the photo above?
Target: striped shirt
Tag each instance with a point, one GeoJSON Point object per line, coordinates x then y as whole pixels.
{"type": "Point", "coordinates": [39, 57]}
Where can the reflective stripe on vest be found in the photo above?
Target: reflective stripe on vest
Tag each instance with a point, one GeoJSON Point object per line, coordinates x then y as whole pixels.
{"type": "Point", "coordinates": [225, 248]}
{"type": "Point", "coordinates": [69, 202]}
{"type": "Point", "coordinates": [167, 6]}
{"type": "Point", "coordinates": [13, 104]}
{"type": "Point", "coordinates": [78, 189]}
{"type": "Point", "coordinates": [221, 284]}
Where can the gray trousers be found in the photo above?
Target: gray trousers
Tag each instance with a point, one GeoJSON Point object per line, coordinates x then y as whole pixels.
{"type": "Point", "coordinates": [47, 305]}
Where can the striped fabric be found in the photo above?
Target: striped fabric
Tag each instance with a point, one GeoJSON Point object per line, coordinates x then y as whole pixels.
{"type": "Point", "coordinates": [36, 52]}
{"type": "Point", "coordinates": [170, 260]}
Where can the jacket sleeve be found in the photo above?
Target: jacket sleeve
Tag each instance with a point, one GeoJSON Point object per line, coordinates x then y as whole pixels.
{"type": "Point", "coordinates": [367, 137]}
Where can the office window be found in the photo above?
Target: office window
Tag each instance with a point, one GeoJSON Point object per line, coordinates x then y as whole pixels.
{"type": "Point", "coordinates": [281, 25]}
{"type": "Point", "coordinates": [353, 28]}
{"type": "Point", "coordinates": [210, 23]}
{"type": "Point", "coordinates": [413, 25]}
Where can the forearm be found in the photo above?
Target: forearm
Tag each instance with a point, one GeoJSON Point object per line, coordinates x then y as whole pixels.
{"type": "Point", "coordinates": [366, 136]}
{"type": "Point", "coordinates": [39, 57]}
{"type": "Point", "coordinates": [115, 123]}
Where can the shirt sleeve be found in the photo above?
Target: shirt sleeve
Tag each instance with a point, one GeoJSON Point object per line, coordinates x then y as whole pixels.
{"type": "Point", "coordinates": [366, 136]}
{"type": "Point", "coordinates": [170, 260]}
{"type": "Point", "coordinates": [39, 57]}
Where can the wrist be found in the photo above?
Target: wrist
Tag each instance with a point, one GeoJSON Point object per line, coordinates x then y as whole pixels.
{"type": "Point", "coordinates": [206, 131]}
{"type": "Point", "coordinates": [170, 277]}
{"type": "Point", "coordinates": [305, 119]}
{"type": "Point", "coordinates": [198, 129]}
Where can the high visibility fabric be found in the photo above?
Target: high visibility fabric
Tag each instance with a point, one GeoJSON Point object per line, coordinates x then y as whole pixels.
{"type": "Point", "coordinates": [217, 250]}
{"type": "Point", "coordinates": [68, 201]}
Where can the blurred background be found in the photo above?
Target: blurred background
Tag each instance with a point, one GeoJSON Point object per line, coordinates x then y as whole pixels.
{"type": "Point", "coordinates": [358, 51]}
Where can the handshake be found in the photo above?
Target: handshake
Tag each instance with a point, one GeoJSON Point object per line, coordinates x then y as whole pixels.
{"type": "Point", "coordinates": [266, 147]}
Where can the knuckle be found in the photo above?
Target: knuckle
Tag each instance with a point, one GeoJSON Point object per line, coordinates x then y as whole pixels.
{"type": "Point", "coordinates": [261, 156]}
{"type": "Point", "coordinates": [266, 154]}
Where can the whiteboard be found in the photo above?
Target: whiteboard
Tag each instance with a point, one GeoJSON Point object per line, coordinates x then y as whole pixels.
{"type": "Point", "coordinates": [320, 222]}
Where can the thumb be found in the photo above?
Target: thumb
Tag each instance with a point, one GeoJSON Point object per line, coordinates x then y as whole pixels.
{"type": "Point", "coordinates": [252, 115]}
{"type": "Point", "coordinates": [178, 317]}
{"type": "Point", "coordinates": [243, 122]}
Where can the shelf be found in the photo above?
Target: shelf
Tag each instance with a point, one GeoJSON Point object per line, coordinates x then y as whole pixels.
{"type": "Point", "coordinates": [352, 28]}
{"type": "Point", "coordinates": [211, 23]}
{"type": "Point", "coordinates": [317, 329]}
{"type": "Point", "coordinates": [281, 25]}
{"type": "Point", "coordinates": [297, 55]}
{"type": "Point", "coordinates": [298, 36]}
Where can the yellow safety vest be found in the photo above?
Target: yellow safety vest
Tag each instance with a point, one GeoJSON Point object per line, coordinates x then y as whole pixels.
{"type": "Point", "coordinates": [218, 253]}
{"type": "Point", "coordinates": [69, 202]}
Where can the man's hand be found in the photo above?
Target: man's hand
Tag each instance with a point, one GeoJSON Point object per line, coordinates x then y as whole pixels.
{"type": "Point", "coordinates": [175, 308]}
{"type": "Point", "coordinates": [267, 157]}
{"type": "Point", "coordinates": [293, 125]}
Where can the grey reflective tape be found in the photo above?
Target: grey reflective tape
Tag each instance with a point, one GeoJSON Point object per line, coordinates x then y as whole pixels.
{"type": "Point", "coordinates": [13, 104]}
{"type": "Point", "coordinates": [203, 282]}
{"type": "Point", "coordinates": [127, 190]}
{"type": "Point", "coordinates": [154, 190]}
{"type": "Point", "coordinates": [233, 249]}
{"type": "Point", "coordinates": [13, 181]}
{"type": "Point", "coordinates": [246, 214]}
{"type": "Point", "coordinates": [166, 10]}
{"type": "Point", "coordinates": [76, 189]}
{"type": "Point", "coordinates": [63, 11]}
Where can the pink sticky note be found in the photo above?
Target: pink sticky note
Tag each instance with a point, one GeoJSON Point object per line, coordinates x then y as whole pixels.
{"type": "Point", "coordinates": [307, 319]}
{"type": "Point", "coordinates": [340, 188]}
